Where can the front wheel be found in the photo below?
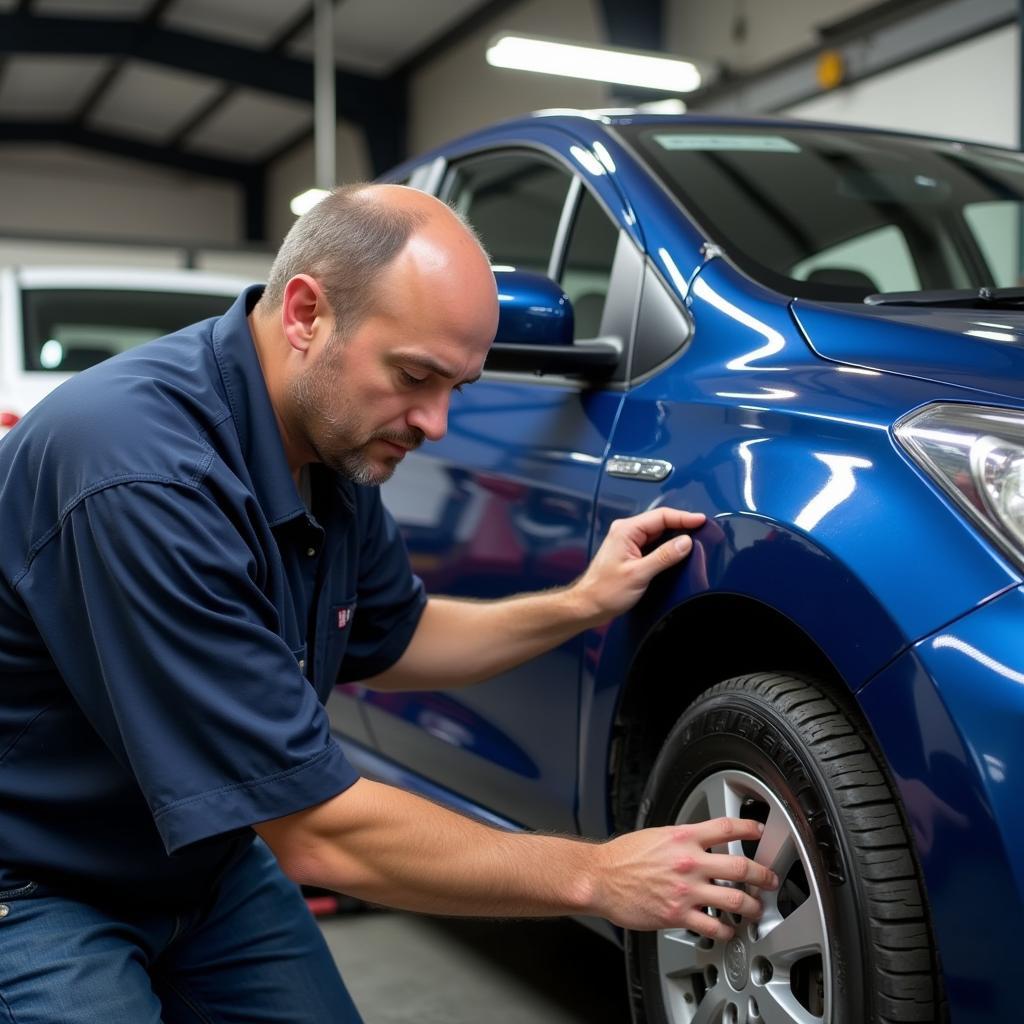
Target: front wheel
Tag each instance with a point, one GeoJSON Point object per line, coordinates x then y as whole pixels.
{"type": "Point", "coordinates": [845, 939]}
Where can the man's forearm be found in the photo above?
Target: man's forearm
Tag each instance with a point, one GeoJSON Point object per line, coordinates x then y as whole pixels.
{"type": "Point", "coordinates": [387, 846]}
{"type": "Point", "coordinates": [462, 642]}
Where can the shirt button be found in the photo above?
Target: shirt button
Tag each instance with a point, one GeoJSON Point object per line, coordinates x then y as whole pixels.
{"type": "Point", "coordinates": [4, 910]}
{"type": "Point", "coordinates": [311, 552]}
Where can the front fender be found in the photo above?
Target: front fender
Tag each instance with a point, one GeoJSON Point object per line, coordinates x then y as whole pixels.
{"type": "Point", "coordinates": [948, 715]}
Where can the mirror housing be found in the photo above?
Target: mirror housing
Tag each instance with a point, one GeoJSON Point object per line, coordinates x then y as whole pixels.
{"type": "Point", "coordinates": [535, 331]}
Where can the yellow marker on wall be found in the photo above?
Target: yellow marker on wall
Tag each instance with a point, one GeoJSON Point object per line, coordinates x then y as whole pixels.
{"type": "Point", "coordinates": [831, 69]}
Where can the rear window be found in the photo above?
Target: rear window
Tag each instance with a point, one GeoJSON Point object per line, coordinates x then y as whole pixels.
{"type": "Point", "coordinates": [73, 329]}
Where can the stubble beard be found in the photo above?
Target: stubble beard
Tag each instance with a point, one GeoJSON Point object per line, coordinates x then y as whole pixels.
{"type": "Point", "coordinates": [330, 430]}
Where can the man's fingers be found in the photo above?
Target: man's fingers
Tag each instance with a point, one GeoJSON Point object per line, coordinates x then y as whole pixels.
{"type": "Point", "coordinates": [646, 526]}
{"type": "Point", "coordinates": [719, 831]}
{"type": "Point", "coordinates": [704, 924]}
{"type": "Point", "coordinates": [739, 869]}
{"type": "Point", "coordinates": [664, 556]}
{"type": "Point", "coordinates": [728, 899]}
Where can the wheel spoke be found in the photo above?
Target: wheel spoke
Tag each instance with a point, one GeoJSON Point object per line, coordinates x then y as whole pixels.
{"type": "Point", "coordinates": [679, 954]}
{"type": "Point", "coordinates": [794, 937]}
{"type": "Point", "coordinates": [711, 1006]}
{"type": "Point", "coordinates": [723, 802]}
{"type": "Point", "coordinates": [776, 849]}
{"type": "Point", "coordinates": [777, 1005]}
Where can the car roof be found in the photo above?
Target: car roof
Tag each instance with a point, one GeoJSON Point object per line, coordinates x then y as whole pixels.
{"type": "Point", "coordinates": [580, 123]}
{"type": "Point", "coordinates": [130, 279]}
{"type": "Point", "coordinates": [622, 116]}
{"type": "Point", "coordinates": [574, 119]}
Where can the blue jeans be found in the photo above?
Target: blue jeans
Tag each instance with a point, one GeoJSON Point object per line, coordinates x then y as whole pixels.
{"type": "Point", "coordinates": [252, 955]}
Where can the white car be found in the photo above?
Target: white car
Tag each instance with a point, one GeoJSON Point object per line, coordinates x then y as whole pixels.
{"type": "Point", "coordinates": [55, 321]}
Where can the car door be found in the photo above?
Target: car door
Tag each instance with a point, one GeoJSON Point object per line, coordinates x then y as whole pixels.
{"type": "Point", "coordinates": [503, 504]}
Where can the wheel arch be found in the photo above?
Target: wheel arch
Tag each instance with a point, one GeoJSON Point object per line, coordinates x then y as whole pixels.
{"type": "Point", "coordinates": [646, 713]}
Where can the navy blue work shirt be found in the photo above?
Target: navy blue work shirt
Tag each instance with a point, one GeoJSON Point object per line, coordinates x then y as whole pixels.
{"type": "Point", "coordinates": [172, 619]}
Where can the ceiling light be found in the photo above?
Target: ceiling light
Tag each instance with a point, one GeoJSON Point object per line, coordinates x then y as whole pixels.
{"type": "Point", "coordinates": [305, 201]}
{"type": "Point", "coordinates": [601, 64]}
{"type": "Point", "coordinates": [670, 106]}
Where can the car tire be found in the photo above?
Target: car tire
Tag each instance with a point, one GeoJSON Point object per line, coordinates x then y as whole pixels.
{"type": "Point", "coordinates": [846, 938]}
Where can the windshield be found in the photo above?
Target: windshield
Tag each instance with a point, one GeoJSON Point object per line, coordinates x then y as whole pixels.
{"type": "Point", "coordinates": [838, 215]}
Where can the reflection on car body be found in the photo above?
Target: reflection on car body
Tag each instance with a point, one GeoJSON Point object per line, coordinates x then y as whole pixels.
{"type": "Point", "coordinates": [818, 331]}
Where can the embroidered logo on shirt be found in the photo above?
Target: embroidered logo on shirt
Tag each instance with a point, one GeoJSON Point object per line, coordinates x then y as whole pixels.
{"type": "Point", "coordinates": [344, 617]}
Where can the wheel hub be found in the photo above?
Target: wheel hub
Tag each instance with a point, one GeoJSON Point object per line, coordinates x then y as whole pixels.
{"type": "Point", "coordinates": [777, 969]}
{"type": "Point", "coordinates": [737, 964]}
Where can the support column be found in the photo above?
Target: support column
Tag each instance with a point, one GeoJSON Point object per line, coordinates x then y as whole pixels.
{"type": "Point", "coordinates": [325, 121]}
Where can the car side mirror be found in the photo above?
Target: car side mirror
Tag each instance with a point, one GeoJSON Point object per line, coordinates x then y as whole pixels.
{"type": "Point", "coordinates": [535, 331]}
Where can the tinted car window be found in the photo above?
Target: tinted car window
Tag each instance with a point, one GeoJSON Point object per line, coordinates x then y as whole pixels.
{"type": "Point", "coordinates": [588, 264]}
{"type": "Point", "coordinates": [878, 260]}
{"type": "Point", "coordinates": [783, 199]}
{"type": "Point", "coordinates": [67, 330]}
{"type": "Point", "coordinates": [514, 200]}
{"type": "Point", "coordinates": [998, 226]}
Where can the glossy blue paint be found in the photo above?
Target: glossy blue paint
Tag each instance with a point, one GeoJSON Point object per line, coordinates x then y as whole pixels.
{"type": "Point", "coordinates": [966, 347]}
{"type": "Point", "coordinates": [776, 415]}
{"type": "Point", "coordinates": [532, 310]}
{"type": "Point", "coordinates": [505, 497]}
{"type": "Point", "coordinates": [949, 715]}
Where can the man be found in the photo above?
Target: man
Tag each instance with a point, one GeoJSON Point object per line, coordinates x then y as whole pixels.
{"type": "Point", "coordinates": [193, 552]}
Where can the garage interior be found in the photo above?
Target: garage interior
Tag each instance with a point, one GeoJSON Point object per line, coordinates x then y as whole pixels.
{"type": "Point", "coordinates": [166, 134]}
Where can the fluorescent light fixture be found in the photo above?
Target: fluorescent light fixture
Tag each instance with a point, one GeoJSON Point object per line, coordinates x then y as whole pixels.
{"type": "Point", "coordinates": [305, 201]}
{"type": "Point", "coordinates": [600, 64]}
{"type": "Point", "coordinates": [671, 106]}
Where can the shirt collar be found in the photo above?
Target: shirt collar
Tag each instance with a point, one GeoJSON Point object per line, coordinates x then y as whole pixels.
{"type": "Point", "coordinates": [253, 415]}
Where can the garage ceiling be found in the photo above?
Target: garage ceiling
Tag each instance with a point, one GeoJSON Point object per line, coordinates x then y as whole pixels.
{"type": "Point", "coordinates": [214, 86]}
{"type": "Point", "coordinates": [225, 87]}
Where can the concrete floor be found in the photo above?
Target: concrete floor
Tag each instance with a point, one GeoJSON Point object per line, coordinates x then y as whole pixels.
{"type": "Point", "coordinates": [401, 969]}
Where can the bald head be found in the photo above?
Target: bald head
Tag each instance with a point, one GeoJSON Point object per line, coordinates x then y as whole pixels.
{"type": "Point", "coordinates": [352, 236]}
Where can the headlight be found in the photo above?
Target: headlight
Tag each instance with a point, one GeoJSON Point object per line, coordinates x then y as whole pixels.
{"type": "Point", "coordinates": [976, 454]}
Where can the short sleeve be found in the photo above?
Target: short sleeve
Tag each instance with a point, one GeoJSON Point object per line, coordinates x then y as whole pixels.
{"type": "Point", "coordinates": [149, 599]}
{"type": "Point", "coordinates": [390, 598]}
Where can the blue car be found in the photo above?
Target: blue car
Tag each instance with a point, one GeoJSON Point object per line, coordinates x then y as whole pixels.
{"type": "Point", "coordinates": [814, 335]}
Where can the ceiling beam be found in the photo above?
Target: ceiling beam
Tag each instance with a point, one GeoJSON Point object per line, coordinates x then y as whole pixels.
{"type": "Point", "coordinates": [360, 98]}
{"type": "Point", "coordinates": [121, 145]}
{"type": "Point", "coordinates": [24, 6]}
{"type": "Point", "coordinates": [635, 24]}
{"type": "Point", "coordinates": [88, 105]}
{"type": "Point", "coordinates": [297, 25]}
{"type": "Point", "coordinates": [454, 35]}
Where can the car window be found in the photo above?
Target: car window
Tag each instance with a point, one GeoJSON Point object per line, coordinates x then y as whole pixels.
{"type": "Point", "coordinates": [878, 260]}
{"type": "Point", "coordinates": [514, 201]}
{"type": "Point", "coordinates": [73, 329]}
{"type": "Point", "coordinates": [997, 227]}
{"type": "Point", "coordinates": [776, 197]}
{"type": "Point", "coordinates": [588, 264]}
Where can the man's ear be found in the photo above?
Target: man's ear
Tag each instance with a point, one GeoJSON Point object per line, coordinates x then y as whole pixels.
{"type": "Point", "coordinates": [303, 307]}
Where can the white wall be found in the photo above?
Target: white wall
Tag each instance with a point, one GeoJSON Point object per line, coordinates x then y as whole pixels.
{"type": "Point", "coordinates": [296, 171]}
{"type": "Point", "coordinates": [85, 254]}
{"type": "Point", "coordinates": [459, 91]}
{"type": "Point", "coordinates": [968, 91]}
{"type": "Point", "coordinates": [60, 190]}
{"type": "Point", "coordinates": [775, 29]}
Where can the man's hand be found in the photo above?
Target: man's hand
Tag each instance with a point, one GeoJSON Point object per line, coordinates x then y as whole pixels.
{"type": "Point", "coordinates": [620, 571]}
{"type": "Point", "coordinates": [663, 878]}
{"type": "Point", "coordinates": [461, 642]}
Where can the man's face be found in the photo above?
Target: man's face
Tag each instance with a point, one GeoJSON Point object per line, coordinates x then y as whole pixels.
{"type": "Point", "coordinates": [368, 398]}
